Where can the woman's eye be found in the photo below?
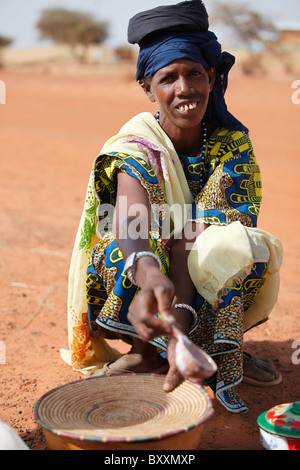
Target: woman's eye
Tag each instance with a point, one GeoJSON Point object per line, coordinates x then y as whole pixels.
{"type": "Point", "coordinates": [166, 78]}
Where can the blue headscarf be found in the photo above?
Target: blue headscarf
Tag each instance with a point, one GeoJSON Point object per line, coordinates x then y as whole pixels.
{"type": "Point", "coordinates": [160, 49]}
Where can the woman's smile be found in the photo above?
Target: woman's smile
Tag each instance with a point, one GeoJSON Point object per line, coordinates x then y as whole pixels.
{"type": "Point", "coordinates": [187, 106]}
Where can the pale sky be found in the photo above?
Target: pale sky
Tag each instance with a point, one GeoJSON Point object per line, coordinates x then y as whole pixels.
{"type": "Point", "coordinates": [19, 17]}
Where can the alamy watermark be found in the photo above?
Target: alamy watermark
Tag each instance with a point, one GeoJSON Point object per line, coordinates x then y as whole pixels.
{"type": "Point", "coordinates": [296, 93]}
{"type": "Point", "coordinates": [296, 354]}
{"type": "Point", "coordinates": [2, 353]}
{"type": "Point", "coordinates": [163, 219]}
{"type": "Point", "coordinates": [2, 92]}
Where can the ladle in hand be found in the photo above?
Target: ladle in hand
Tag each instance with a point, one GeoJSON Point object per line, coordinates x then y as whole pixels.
{"type": "Point", "coordinates": [192, 362]}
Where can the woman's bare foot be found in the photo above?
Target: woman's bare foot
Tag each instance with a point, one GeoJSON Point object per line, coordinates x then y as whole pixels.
{"type": "Point", "coordinates": [142, 358]}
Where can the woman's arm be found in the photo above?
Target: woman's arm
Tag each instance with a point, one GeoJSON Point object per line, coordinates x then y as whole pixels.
{"type": "Point", "coordinates": [131, 227]}
{"type": "Point", "coordinates": [179, 273]}
{"type": "Point", "coordinates": [184, 293]}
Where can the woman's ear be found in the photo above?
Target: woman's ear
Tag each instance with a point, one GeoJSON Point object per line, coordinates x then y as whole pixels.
{"type": "Point", "coordinates": [145, 83]}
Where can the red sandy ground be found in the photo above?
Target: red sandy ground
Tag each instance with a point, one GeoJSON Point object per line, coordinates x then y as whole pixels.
{"type": "Point", "coordinates": [52, 126]}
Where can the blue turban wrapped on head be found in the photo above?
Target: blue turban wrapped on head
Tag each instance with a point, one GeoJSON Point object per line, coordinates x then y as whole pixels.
{"type": "Point", "coordinates": [173, 32]}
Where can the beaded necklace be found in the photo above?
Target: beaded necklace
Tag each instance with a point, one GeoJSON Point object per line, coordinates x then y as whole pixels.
{"type": "Point", "coordinates": [202, 152]}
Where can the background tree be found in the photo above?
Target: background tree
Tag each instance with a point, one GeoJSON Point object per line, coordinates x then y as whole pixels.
{"type": "Point", "coordinates": [4, 42]}
{"type": "Point", "coordinates": [72, 28]}
{"type": "Point", "coordinates": [249, 29]}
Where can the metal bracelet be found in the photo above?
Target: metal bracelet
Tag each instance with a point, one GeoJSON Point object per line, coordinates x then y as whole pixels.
{"type": "Point", "coordinates": [192, 311]}
{"type": "Point", "coordinates": [137, 256]}
{"type": "Point", "coordinates": [140, 254]}
{"type": "Point", "coordinates": [131, 277]}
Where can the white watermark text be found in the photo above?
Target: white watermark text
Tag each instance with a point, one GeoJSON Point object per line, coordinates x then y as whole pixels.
{"type": "Point", "coordinates": [2, 92]}
{"type": "Point", "coordinates": [296, 354]}
{"type": "Point", "coordinates": [296, 93]}
{"type": "Point", "coordinates": [2, 353]}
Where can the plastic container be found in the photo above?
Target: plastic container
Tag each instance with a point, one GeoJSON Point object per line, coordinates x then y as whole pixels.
{"type": "Point", "coordinates": [280, 427]}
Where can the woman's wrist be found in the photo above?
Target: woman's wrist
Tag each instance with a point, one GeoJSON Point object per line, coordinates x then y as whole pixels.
{"type": "Point", "coordinates": [191, 311]}
{"type": "Point", "coordinates": [135, 264]}
{"type": "Point", "coordinates": [185, 315]}
{"type": "Point", "coordinates": [146, 266]}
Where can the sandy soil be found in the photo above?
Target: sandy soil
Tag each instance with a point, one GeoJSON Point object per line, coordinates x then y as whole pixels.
{"type": "Point", "coordinates": [52, 126]}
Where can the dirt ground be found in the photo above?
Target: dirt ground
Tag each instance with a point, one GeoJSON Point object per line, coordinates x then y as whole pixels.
{"type": "Point", "coordinates": [52, 126]}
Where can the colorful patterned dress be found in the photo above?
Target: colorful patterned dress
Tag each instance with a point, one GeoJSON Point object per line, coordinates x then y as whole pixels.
{"type": "Point", "coordinates": [231, 192]}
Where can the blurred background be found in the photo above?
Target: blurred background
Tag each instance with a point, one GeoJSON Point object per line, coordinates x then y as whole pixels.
{"type": "Point", "coordinates": [95, 31]}
{"type": "Point", "coordinates": [67, 84]}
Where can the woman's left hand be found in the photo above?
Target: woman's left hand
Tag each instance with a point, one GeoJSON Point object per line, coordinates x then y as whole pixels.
{"type": "Point", "coordinates": [173, 376]}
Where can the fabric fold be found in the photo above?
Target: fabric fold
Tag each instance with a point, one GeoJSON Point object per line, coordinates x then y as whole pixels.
{"type": "Point", "coordinates": [224, 255]}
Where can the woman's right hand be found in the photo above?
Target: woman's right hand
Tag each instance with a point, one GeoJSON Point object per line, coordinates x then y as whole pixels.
{"type": "Point", "coordinates": [156, 295]}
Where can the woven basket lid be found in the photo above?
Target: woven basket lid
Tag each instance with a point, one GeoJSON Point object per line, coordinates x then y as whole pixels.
{"type": "Point", "coordinates": [122, 408]}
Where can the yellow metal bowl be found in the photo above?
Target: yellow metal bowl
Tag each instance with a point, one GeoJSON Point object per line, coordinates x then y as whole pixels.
{"type": "Point", "coordinates": [123, 412]}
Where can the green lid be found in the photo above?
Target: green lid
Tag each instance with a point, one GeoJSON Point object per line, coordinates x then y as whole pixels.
{"type": "Point", "coordinates": [283, 420]}
{"type": "Point", "coordinates": [296, 408]}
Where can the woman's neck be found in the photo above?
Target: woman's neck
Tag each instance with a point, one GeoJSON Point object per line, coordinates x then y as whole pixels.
{"type": "Point", "coordinates": [186, 141]}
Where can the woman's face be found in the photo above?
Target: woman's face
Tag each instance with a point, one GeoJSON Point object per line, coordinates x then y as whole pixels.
{"type": "Point", "coordinates": [181, 90]}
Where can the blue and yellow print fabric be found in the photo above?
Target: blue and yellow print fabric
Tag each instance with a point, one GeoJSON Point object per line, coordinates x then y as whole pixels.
{"type": "Point", "coordinates": [233, 181]}
{"type": "Point", "coordinates": [231, 191]}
